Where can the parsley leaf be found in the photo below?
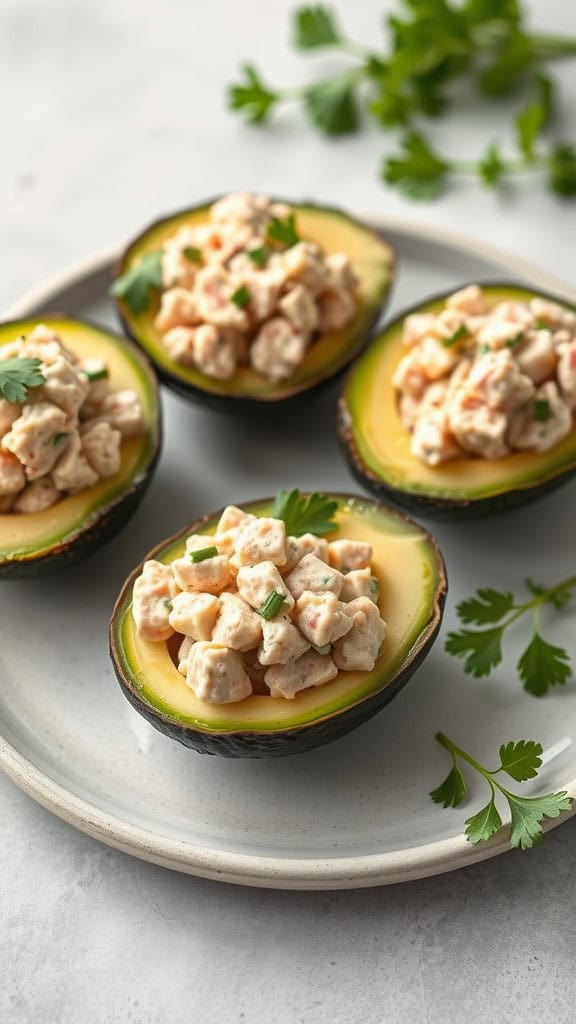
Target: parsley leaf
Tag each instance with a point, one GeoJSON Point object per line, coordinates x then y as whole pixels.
{"type": "Point", "coordinates": [452, 791]}
{"type": "Point", "coordinates": [419, 172]}
{"type": "Point", "coordinates": [252, 97]}
{"type": "Point", "coordinates": [137, 284]}
{"type": "Point", "coordinates": [528, 814]}
{"type": "Point", "coordinates": [512, 60]}
{"type": "Point", "coordinates": [491, 166]}
{"type": "Point", "coordinates": [531, 120]}
{"type": "Point", "coordinates": [315, 26]}
{"type": "Point", "coordinates": [312, 513]}
{"type": "Point", "coordinates": [283, 232]}
{"type": "Point", "coordinates": [331, 105]}
{"type": "Point", "coordinates": [482, 826]}
{"type": "Point", "coordinates": [488, 606]}
{"type": "Point", "coordinates": [520, 760]}
{"type": "Point", "coordinates": [543, 665]}
{"type": "Point", "coordinates": [18, 375]}
{"type": "Point", "coordinates": [562, 169]}
{"type": "Point", "coordinates": [482, 649]}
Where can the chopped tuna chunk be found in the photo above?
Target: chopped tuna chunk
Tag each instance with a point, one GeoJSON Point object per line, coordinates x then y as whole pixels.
{"type": "Point", "coordinates": [216, 674]}
{"type": "Point", "coordinates": [310, 669]}
{"type": "Point", "coordinates": [152, 597]}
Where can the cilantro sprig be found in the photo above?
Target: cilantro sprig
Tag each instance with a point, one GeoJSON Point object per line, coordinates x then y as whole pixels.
{"type": "Point", "coordinates": [18, 375]}
{"type": "Point", "coordinates": [137, 285]}
{"type": "Point", "coordinates": [520, 760]}
{"type": "Point", "coordinates": [541, 665]}
{"type": "Point", "coordinates": [312, 513]}
{"type": "Point", "coordinates": [431, 45]}
{"type": "Point", "coordinates": [283, 232]}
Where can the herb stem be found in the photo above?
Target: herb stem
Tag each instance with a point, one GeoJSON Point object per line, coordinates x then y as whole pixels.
{"type": "Point", "coordinates": [455, 751]}
{"type": "Point", "coordinates": [546, 45]}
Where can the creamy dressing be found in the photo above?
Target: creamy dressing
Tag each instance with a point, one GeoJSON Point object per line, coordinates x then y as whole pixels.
{"type": "Point", "coordinates": [487, 378]}
{"type": "Point", "coordinates": [260, 612]}
{"type": "Point", "coordinates": [233, 296]}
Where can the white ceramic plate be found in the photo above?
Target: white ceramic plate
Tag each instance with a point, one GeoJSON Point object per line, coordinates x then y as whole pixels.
{"type": "Point", "coordinates": [354, 813]}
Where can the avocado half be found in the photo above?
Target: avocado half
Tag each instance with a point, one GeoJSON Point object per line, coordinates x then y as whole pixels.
{"type": "Point", "coordinates": [377, 445]}
{"type": "Point", "coordinates": [329, 355]}
{"type": "Point", "coordinates": [413, 585]}
{"type": "Point", "coordinates": [38, 543]}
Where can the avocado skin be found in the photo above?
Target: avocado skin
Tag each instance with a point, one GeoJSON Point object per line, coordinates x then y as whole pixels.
{"type": "Point", "coordinates": [290, 741]}
{"type": "Point", "coordinates": [295, 740]}
{"type": "Point", "coordinates": [245, 403]}
{"type": "Point", "coordinates": [431, 506]}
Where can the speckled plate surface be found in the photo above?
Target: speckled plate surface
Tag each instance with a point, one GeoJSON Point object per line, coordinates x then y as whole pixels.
{"type": "Point", "coordinates": [354, 813]}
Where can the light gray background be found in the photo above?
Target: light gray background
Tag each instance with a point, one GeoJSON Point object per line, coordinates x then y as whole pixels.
{"type": "Point", "coordinates": [112, 113]}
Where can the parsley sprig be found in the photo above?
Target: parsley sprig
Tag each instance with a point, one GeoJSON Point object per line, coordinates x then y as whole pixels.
{"type": "Point", "coordinates": [520, 760]}
{"type": "Point", "coordinates": [542, 664]}
{"type": "Point", "coordinates": [136, 287]}
{"type": "Point", "coordinates": [17, 376]}
{"type": "Point", "coordinates": [431, 46]}
{"type": "Point", "coordinates": [312, 513]}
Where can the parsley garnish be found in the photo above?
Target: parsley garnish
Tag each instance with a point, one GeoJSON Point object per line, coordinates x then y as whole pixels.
{"type": "Point", "coordinates": [258, 255]}
{"type": "Point", "coordinates": [541, 665]}
{"type": "Point", "coordinates": [313, 513]}
{"type": "Point", "coordinates": [136, 286]}
{"type": "Point", "coordinates": [272, 605]}
{"type": "Point", "coordinates": [520, 760]}
{"type": "Point", "coordinates": [432, 45]}
{"type": "Point", "coordinates": [17, 376]}
{"type": "Point", "coordinates": [241, 297]}
{"type": "Point", "coordinates": [283, 232]}
{"type": "Point", "coordinates": [542, 411]}
{"type": "Point", "coordinates": [459, 334]}
{"type": "Point", "coordinates": [59, 437]}
{"type": "Point", "coordinates": [483, 349]}
{"type": "Point", "coordinates": [512, 342]}
{"type": "Point", "coordinates": [203, 554]}
{"type": "Point", "coordinates": [192, 254]}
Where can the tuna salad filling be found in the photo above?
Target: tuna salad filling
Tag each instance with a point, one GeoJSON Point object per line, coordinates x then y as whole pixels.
{"type": "Point", "coordinates": [244, 289]}
{"type": "Point", "coordinates": [251, 610]}
{"type": "Point", "coordinates": [487, 378]}
{"type": "Point", "coordinates": [67, 433]}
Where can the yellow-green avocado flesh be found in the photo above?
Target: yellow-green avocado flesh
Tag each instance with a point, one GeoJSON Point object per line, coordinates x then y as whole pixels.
{"type": "Point", "coordinates": [41, 542]}
{"type": "Point", "coordinates": [412, 577]}
{"type": "Point", "coordinates": [377, 445]}
{"type": "Point", "coordinates": [335, 231]}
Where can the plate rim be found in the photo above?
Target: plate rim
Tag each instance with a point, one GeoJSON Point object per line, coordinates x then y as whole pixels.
{"type": "Point", "coordinates": [272, 872]}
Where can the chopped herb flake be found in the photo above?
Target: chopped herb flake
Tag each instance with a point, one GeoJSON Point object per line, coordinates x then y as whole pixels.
{"type": "Point", "coordinates": [515, 340]}
{"type": "Point", "coordinates": [94, 375]}
{"type": "Point", "coordinates": [483, 349]}
{"type": "Point", "coordinates": [241, 297]}
{"type": "Point", "coordinates": [459, 334]}
{"type": "Point", "coordinates": [541, 325]}
{"type": "Point", "coordinates": [542, 410]}
{"type": "Point", "coordinates": [374, 585]}
{"type": "Point", "coordinates": [192, 254]}
{"type": "Point", "coordinates": [167, 602]}
{"type": "Point", "coordinates": [272, 605]}
{"type": "Point", "coordinates": [258, 255]}
{"type": "Point", "coordinates": [203, 554]}
{"type": "Point", "coordinates": [58, 438]}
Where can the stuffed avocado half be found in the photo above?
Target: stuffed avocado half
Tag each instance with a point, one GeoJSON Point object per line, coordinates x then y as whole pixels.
{"type": "Point", "coordinates": [260, 293]}
{"type": "Point", "coordinates": [82, 476]}
{"type": "Point", "coordinates": [410, 573]}
{"type": "Point", "coordinates": [381, 450]}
